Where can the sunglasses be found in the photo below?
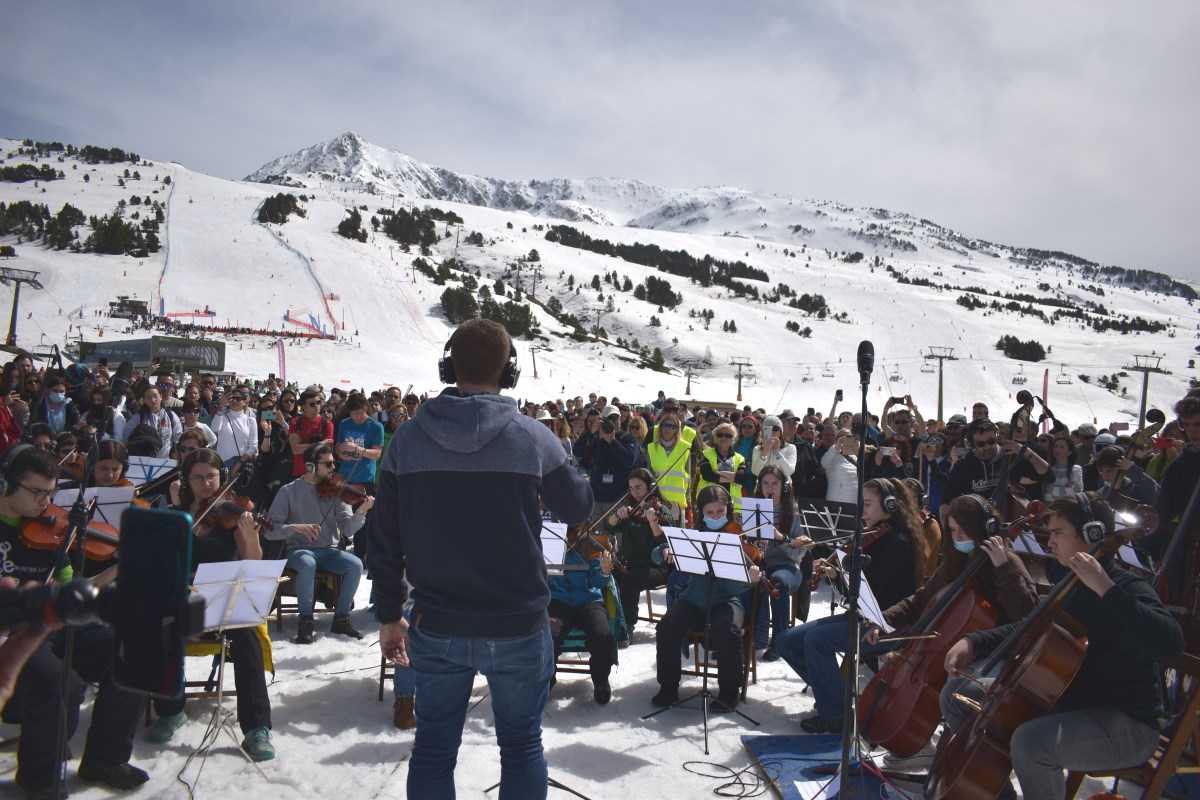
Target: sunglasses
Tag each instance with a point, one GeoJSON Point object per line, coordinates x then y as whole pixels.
{"type": "Point", "coordinates": [902, 421]}
{"type": "Point", "coordinates": [237, 397]}
{"type": "Point", "coordinates": [165, 384]}
{"type": "Point", "coordinates": [396, 416]}
{"type": "Point", "coordinates": [313, 404]}
{"type": "Point", "coordinates": [724, 435]}
{"type": "Point", "coordinates": [985, 442]}
{"type": "Point", "coordinates": [936, 441]}
{"type": "Point", "coordinates": [669, 426]}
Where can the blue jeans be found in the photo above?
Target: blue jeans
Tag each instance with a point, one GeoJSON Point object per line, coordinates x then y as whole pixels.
{"type": "Point", "coordinates": [811, 650]}
{"type": "Point", "coordinates": [518, 671]}
{"type": "Point", "coordinates": [788, 579]}
{"type": "Point", "coordinates": [326, 559]}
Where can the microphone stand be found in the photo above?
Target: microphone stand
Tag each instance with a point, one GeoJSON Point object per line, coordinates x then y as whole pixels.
{"type": "Point", "coordinates": [854, 580]}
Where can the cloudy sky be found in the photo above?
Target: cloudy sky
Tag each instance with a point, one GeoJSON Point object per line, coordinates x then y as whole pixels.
{"type": "Point", "coordinates": [1066, 125]}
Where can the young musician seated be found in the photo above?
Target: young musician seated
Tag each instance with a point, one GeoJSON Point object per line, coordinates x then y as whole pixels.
{"type": "Point", "coordinates": [1002, 581]}
{"type": "Point", "coordinates": [577, 601]}
{"type": "Point", "coordinates": [310, 526]}
{"type": "Point", "coordinates": [638, 528]}
{"type": "Point", "coordinates": [687, 614]}
{"type": "Point", "coordinates": [1108, 716]}
{"type": "Point", "coordinates": [112, 461]}
{"type": "Point", "coordinates": [785, 558]}
{"type": "Point", "coordinates": [896, 567]}
{"type": "Point", "coordinates": [36, 705]}
{"type": "Point", "coordinates": [202, 477]}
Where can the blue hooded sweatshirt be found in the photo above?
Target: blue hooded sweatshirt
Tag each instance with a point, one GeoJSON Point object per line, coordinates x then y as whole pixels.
{"type": "Point", "coordinates": [457, 513]}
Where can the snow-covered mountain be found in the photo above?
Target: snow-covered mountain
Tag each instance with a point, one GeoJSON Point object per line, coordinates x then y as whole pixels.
{"type": "Point", "coordinates": [905, 283]}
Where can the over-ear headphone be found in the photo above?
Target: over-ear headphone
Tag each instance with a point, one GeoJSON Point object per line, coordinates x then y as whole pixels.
{"type": "Point", "coordinates": [918, 490]}
{"type": "Point", "coordinates": [1093, 530]}
{"type": "Point", "coordinates": [508, 376]}
{"type": "Point", "coordinates": [7, 484]}
{"type": "Point", "coordinates": [990, 526]}
{"type": "Point", "coordinates": [311, 456]}
{"type": "Point", "coordinates": [888, 500]}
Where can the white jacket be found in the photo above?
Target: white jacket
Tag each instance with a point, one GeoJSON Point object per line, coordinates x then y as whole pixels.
{"type": "Point", "coordinates": [237, 434]}
{"type": "Point", "coordinates": [841, 476]}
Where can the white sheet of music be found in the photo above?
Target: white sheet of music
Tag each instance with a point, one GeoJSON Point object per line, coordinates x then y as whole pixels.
{"type": "Point", "coordinates": [111, 501]}
{"type": "Point", "coordinates": [1026, 543]}
{"type": "Point", "coordinates": [726, 548]}
{"type": "Point", "coordinates": [554, 544]}
{"type": "Point", "coordinates": [868, 606]}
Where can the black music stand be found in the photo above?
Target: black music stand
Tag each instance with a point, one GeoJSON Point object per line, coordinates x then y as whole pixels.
{"type": "Point", "coordinates": [712, 554]}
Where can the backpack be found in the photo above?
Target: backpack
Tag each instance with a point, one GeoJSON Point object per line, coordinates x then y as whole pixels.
{"type": "Point", "coordinates": [145, 441]}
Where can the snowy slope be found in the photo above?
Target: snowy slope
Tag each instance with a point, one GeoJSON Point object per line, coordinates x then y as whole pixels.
{"type": "Point", "coordinates": [391, 328]}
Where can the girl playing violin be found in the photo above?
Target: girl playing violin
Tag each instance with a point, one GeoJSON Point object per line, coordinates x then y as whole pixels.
{"type": "Point", "coordinates": [1108, 715]}
{"type": "Point", "coordinates": [112, 461]}
{"type": "Point", "coordinates": [638, 528]}
{"type": "Point", "coordinates": [577, 601]}
{"type": "Point", "coordinates": [787, 563]}
{"type": "Point", "coordinates": [896, 567]}
{"type": "Point", "coordinates": [202, 478]}
{"type": "Point", "coordinates": [687, 614]}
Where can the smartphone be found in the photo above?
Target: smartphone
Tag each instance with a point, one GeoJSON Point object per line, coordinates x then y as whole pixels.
{"type": "Point", "coordinates": [153, 614]}
{"type": "Point", "coordinates": [810, 411]}
{"type": "Point", "coordinates": [897, 401]}
{"type": "Point", "coordinates": [268, 415]}
{"type": "Point", "coordinates": [103, 362]}
{"type": "Point", "coordinates": [271, 375]}
{"type": "Point", "coordinates": [838, 395]}
{"type": "Point", "coordinates": [1162, 443]}
{"type": "Point", "coordinates": [887, 451]}
{"type": "Point", "coordinates": [961, 451]}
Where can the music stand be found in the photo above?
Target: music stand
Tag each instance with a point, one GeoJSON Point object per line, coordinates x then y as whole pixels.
{"type": "Point", "coordinates": [554, 548]}
{"type": "Point", "coordinates": [713, 554]}
{"type": "Point", "coordinates": [758, 515]}
{"type": "Point", "coordinates": [830, 518]}
{"type": "Point", "coordinates": [111, 501]}
{"type": "Point", "coordinates": [237, 594]}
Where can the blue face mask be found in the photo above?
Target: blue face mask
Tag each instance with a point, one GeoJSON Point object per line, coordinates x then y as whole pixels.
{"type": "Point", "coordinates": [964, 547]}
{"type": "Point", "coordinates": [715, 524]}
{"type": "Point", "coordinates": [56, 397]}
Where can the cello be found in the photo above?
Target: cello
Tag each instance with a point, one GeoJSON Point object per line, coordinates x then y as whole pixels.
{"type": "Point", "coordinates": [899, 708]}
{"type": "Point", "coordinates": [1041, 657]}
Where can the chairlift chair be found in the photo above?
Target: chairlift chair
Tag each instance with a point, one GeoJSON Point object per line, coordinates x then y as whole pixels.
{"type": "Point", "coordinates": [808, 376]}
{"type": "Point", "coordinates": [1020, 378]}
{"type": "Point", "coordinates": [928, 368]}
{"type": "Point", "coordinates": [1063, 377]}
{"type": "Point", "coordinates": [895, 376]}
{"type": "Point", "coordinates": [827, 372]}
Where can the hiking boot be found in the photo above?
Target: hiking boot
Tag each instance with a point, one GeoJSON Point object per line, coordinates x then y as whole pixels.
{"type": "Point", "coordinates": [342, 625]}
{"type": "Point", "coordinates": [306, 633]}
{"type": "Point", "coordinates": [821, 725]}
{"type": "Point", "coordinates": [725, 703]}
{"type": "Point", "coordinates": [666, 697]}
{"type": "Point", "coordinates": [118, 776]}
{"type": "Point", "coordinates": [163, 729]}
{"type": "Point", "coordinates": [601, 691]}
{"type": "Point", "coordinates": [404, 714]}
{"type": "Point", "coordinates": [257, 744]}
{"type": "Point", "coordinates": [770, 655]}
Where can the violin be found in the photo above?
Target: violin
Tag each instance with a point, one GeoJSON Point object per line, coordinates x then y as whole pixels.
{"type": "Point", "coordinates": [754, 552]}
{"type": "Point", "coordinates": [593, 545]}
{"type": "Point", "coordinates": [1040, 659]}
{"type": "Point", "coordinates": [869, 537]}
{"type": "Point", "coordinates": [46, 533]}
{"type": "Point", "coordinates": [225, 513]}
{"type": "Point", "coordinates": [336, 486]}
{"type": "Point", "coordinates": [899, 708]}
{"type": "Point", "coordinates": [73, 464]}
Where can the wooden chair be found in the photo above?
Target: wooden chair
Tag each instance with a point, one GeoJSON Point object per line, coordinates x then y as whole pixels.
{"type": "Point", "coordinates": [328, 587]}
{"type": "Point", "coordinates": [1178, 747]}
{"type": "Point", "coordinates": [387, 671]}
{"type": "Point", "coordinates": [651, 616]}
{"type": "Point", "coordinates": [209, 646]}
{"type": "Point", "coordinates": [701, 664]}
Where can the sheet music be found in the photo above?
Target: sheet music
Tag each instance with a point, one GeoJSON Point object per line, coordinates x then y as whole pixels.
{"type": "Point", "coordinates": [554, 545]}
{"type": "Point", "coordinates": [868, 606]}
{"type": "Point", "coordinates": [689, 547]}
{"type": "Point", "coordinates": [252, 601]}
{"type": "Point", "coordinates": [820, 790]}
{"type": "Point", "coordinates": [1129, 556]}
{"type": "Point", "coordinates": [1027, 543]}
{"type": "Point", "coordinates": [758, 517]}
{"type": "Point", "coordinates": [143, 469]}
{"type": "Point", "coordinates": [111, 501]}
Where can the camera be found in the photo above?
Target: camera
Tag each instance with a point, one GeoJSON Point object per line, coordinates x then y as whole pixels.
{"type": "Point", "coordinates": [149, 606]}
{"type": "Point", "coordinates": [607, 426]}
{"type": "Point", "coordinates": [838, 395]}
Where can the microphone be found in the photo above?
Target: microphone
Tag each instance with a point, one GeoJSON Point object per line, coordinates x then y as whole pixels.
{"type": "Point", "coordinates": [866, 361]}
{"type": "Point", "coordinates": [1024, 397]}
{"type": "Point", "coordinates": [120, 383]}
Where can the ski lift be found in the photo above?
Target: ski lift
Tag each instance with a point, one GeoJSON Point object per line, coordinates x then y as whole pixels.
{"type": "Point", "coordinates": [1020, 378]}
{"type": "Point", "coordinates": [928, 368]}
{"type": "Point", "coordinates": [808, 376]}
{"type": "Point", "coordinates": [827, 372]}
{"type": "Point", "coordinates": [895, 376]}
{"type": "Point", "coordinates": [1063, 377]}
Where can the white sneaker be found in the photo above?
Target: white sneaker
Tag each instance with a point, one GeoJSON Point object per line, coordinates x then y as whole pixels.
{"type": "Point", "coordinates": [921, 762]}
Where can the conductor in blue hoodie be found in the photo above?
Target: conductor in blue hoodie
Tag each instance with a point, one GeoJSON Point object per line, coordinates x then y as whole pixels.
{"type": "Point", "coordinates": [457, 515]}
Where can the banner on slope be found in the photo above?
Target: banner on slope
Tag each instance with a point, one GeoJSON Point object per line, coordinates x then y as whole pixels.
{"type": "Point", "coordinates": [282, 361]}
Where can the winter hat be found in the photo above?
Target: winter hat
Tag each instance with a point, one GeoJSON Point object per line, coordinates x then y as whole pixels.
{"type": "Point", "coordinates": [75, 375]}
{"type": "Point", "coordinates": [772, 422]}
{"type": "Point", "coordinates": [1102, 441]}
{"type": "Point", "coordinates": [957, 419]}
{"type": "Point", "coordinates": [1087, 430]}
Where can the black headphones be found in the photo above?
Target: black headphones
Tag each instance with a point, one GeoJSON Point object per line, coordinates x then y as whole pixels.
{"type": "Point", "coordinates": [918, 489]}
{"type": "Point", "coordinates": [315, 452]}
{"type": "Point", "coordinates": [889, 502]}
{"type": "Point", "coordinates": [184, 466]}
{"type": "Point", "coordinates": [7, 484]}
{"type": "Point", "coordinates": [508, 375]}
{"type": "Point", "coordinates": [990, 526]}
{"type": "Point", "coordinates": [1093, 530]}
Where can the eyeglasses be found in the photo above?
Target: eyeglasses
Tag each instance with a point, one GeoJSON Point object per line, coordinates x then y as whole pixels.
{"type": "Point", "coordinates": [936, 441]}
{"type": "Point", "coordinates": [165, 384]}
{"type": "Point", "coordinates": [208, 383]}
{"type": "Point", "coordinates": [397, 415]}
{"type": "Point", "coordinates": [237, 397]}
{"type": "Point", "coordinates": [902, 421]}
{"type": "Point", "coordinates": [985, 442]}
{"type": "Point", "coordinates": [668, 426]}
{"type": "Point", "coordinates": [724, 435]}
{"type": "Point", "coordinates": [210, 477]}
{"type": "Point", "coordinates": [670, 409]}
{"type": "Point", "coordinates": [191, 411]}
{"type": "Point", "coordinates": [313, 404]}
{"type": "Point", "coordinates": [38, 494]}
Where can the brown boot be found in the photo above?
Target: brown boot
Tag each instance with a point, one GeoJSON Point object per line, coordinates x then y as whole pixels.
{"type": "Point", "coordinates": [403, 715]}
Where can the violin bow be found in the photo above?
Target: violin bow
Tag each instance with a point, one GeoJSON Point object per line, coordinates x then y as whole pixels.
{"type": "Point", "coordinates": [213, 503]}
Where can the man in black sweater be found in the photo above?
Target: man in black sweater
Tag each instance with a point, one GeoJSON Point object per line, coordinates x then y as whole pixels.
{"type": "Point", "coordinates": [1108, 715]}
